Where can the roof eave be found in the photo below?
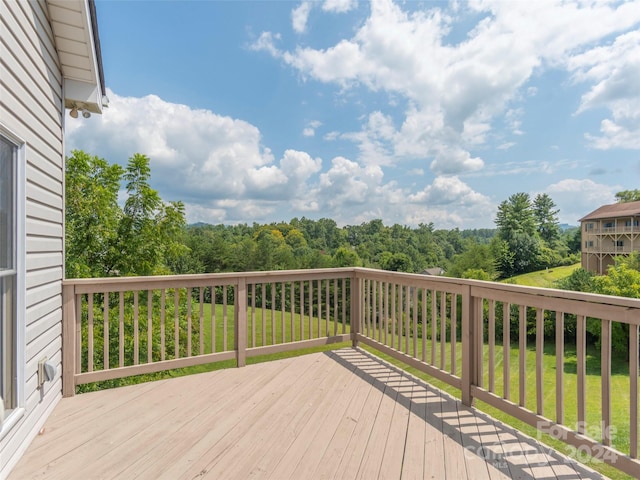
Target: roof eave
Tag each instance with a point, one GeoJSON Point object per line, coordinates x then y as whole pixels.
{"type": "Point", "coordinates": [75, 30]}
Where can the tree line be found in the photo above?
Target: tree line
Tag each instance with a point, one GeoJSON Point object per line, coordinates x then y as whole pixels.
{"type": "Point", "coordinates": [147, 236]}
{"type": "Point", "coordinates": [141, 234]}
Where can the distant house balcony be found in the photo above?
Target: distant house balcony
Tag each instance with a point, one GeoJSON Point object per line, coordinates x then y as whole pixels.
{"type": "Point", "coordinates": [345, 413]}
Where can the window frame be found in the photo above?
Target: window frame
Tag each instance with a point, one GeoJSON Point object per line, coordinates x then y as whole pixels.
{"type": "Point", "coordinates": [12, 416]}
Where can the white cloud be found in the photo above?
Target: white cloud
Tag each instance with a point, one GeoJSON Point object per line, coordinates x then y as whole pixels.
{"type": "Point", "coordinates": [578, 197]}
{"type": "Point", "coordinates": [219, 168]}
{"type": "Point", "coordinates": [451, 160]}
{"type": "Point", "coordinates": [614, 71]}
{"type": "Point", "coordinates": [454, 91]}
{"type": "Point", "coordinates": [310, 129]}
{"type": "Point", "coordinates": [616, 136]}
{"type": "Point", "coordinates": [449, 201]}
{"type": "Point", "coordinates": [300, 16]}
{"type": "Point", "coordinates": [267, 42]}
{"type": "Point", "coordinates": [209, 161]}
{"type": "Point", "coordinates": [449, 191]}
{"type": "Point", "coordinates": [339, 6]}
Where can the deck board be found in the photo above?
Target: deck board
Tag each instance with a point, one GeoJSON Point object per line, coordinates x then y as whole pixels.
{"type": "Point", "coordinates": [342, 414]}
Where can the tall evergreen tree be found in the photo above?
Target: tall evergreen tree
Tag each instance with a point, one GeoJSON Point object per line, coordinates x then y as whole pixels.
{"type": "Point", "coordinates": [546, 217]}
{"type": "Point", "coordinates": [515, 215]}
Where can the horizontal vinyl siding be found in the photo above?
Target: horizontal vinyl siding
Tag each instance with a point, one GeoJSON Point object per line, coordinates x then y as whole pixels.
{"type": "Point", "coordinates": [31, 107]}
{"type": "Point", "coordinates": [41, 277]}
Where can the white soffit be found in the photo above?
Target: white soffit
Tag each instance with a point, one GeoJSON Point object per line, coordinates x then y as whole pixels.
{"type": "Point", "coordinates": [73, 34]}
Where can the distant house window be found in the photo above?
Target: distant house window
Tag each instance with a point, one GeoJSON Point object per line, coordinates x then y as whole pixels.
{"type": "Point", "coordinates": [634, 223]}
{"type": "Point", "coordinates": [588, 226]}
{"type": "Point", "coordinates": [619, 243]}
{"type": "Point", "coordinates": [609, 224]}
{"type": "Point", "coordinates": [8, 272]}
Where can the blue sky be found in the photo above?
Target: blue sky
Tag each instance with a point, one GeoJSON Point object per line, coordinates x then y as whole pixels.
{"type": "Point", "coordinates": [412, 112]}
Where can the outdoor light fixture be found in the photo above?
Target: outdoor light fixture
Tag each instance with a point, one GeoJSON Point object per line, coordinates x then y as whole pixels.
{"type": "Point", "coordinates": [73, 113]}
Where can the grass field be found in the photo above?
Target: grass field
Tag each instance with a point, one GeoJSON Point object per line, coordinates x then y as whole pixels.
{"type": "Point", "coordinates": [543, 278]}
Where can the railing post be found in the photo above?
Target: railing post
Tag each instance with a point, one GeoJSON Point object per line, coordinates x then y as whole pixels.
{"type": "Point", "coordinates": [468, 347]}
{"type": "Point", "coordinates": [356, 308]}
{"type": "Point", "coordinates": [68, 341]}
{"type": "Point", "coordinates": [240, 330]}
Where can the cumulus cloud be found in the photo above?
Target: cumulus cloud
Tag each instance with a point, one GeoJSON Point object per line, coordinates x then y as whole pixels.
{"type": "Point", "coordinates": [448, 191]}
{"type": "Point", "coordinates": [450, 201]}
{"type": "Point", "coordinates": [613, 71]}
{"type": "Point", "coordinates": [196, 156]}
{"type": "Point", "coordinates": [455, 89]}
{"type": "Point", "coordinates": [218, 166]}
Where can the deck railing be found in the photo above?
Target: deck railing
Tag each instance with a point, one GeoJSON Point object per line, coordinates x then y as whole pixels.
{"type": "Point", "coordinates": [473, 335]}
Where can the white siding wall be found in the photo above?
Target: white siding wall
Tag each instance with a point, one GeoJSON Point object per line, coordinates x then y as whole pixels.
{"type": "Point", "coordinates": [31, 107]}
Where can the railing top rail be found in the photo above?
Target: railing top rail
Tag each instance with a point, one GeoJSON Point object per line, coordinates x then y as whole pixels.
{"type": "Point", "coordinates": [593, 298]}
{"type": "Point", "coordinates": [118, 284]}
{"type": "Point", "coordinates": [454, 285]}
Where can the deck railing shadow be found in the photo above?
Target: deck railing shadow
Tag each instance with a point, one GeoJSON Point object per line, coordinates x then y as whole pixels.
{"type": "Point", "coordinates": [477, 434]}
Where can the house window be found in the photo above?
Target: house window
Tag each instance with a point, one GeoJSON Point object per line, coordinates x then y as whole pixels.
{"type": "Point", "coordinates": [630, 223]}
{"type": "Point", "coordinates": [619, 243]}
{"type": "Point", "coordinates": [588, 226]}
{"type": "Point", "coordinates": [8, 272]}
{"type": "Point", "coordinates": [609, 225]}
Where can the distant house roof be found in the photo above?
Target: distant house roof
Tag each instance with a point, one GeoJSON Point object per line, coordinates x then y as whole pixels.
{"type": "Point", "coordinates": [628, 209]}
{"type": "Point", "coordinates": [433, 271]}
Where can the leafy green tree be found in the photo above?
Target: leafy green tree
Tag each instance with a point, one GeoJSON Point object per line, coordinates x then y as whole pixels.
{"type": "Point", "coordinates": [473, 257]}
{"type": "Point", "coordinates": [346, 257]}
{"type": "Point", "coordinates": [623, 277]}
{"type": "Point", "coordinates": [628, 196]}
{"type": "Point", "coordinates": [395, 262]}
{"type": "Point", "coordinates": [92, 214]}
{"type": "Point", "coordinates": [623, 280]}
{"type": "Point", "coordinates": [580, 280]}
{"type": "Point", "coordinates": [546, 217]}
{"type": "Point", "coordinates": [295, 239]}
{"type": "Point", "coordinates": [102, 239]}
{"type": "Point", "coordinates": [476, 274]}
{"type": "Point", "coordinates": [149, 231]}
{"type": "Point", "coordinates": [573, 239]}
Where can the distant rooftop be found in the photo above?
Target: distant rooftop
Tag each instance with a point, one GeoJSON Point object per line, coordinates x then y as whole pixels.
{"type": "Point", "coordinates": [628, 209]}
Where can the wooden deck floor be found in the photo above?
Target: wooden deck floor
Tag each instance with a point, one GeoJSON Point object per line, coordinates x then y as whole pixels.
{"type": "Point", "coordinates": [342, 414]}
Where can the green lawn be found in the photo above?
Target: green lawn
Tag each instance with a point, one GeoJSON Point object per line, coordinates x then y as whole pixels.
{"type": "Point", "coordinates": [543, 278]}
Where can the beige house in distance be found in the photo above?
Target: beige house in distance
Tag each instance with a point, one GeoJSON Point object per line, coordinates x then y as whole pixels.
{"type": "Point", "coordinates": [607, 232]}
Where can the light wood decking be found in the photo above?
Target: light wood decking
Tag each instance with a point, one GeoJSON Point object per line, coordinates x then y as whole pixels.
{"type": "Point", "coordinates": [342, 414]}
